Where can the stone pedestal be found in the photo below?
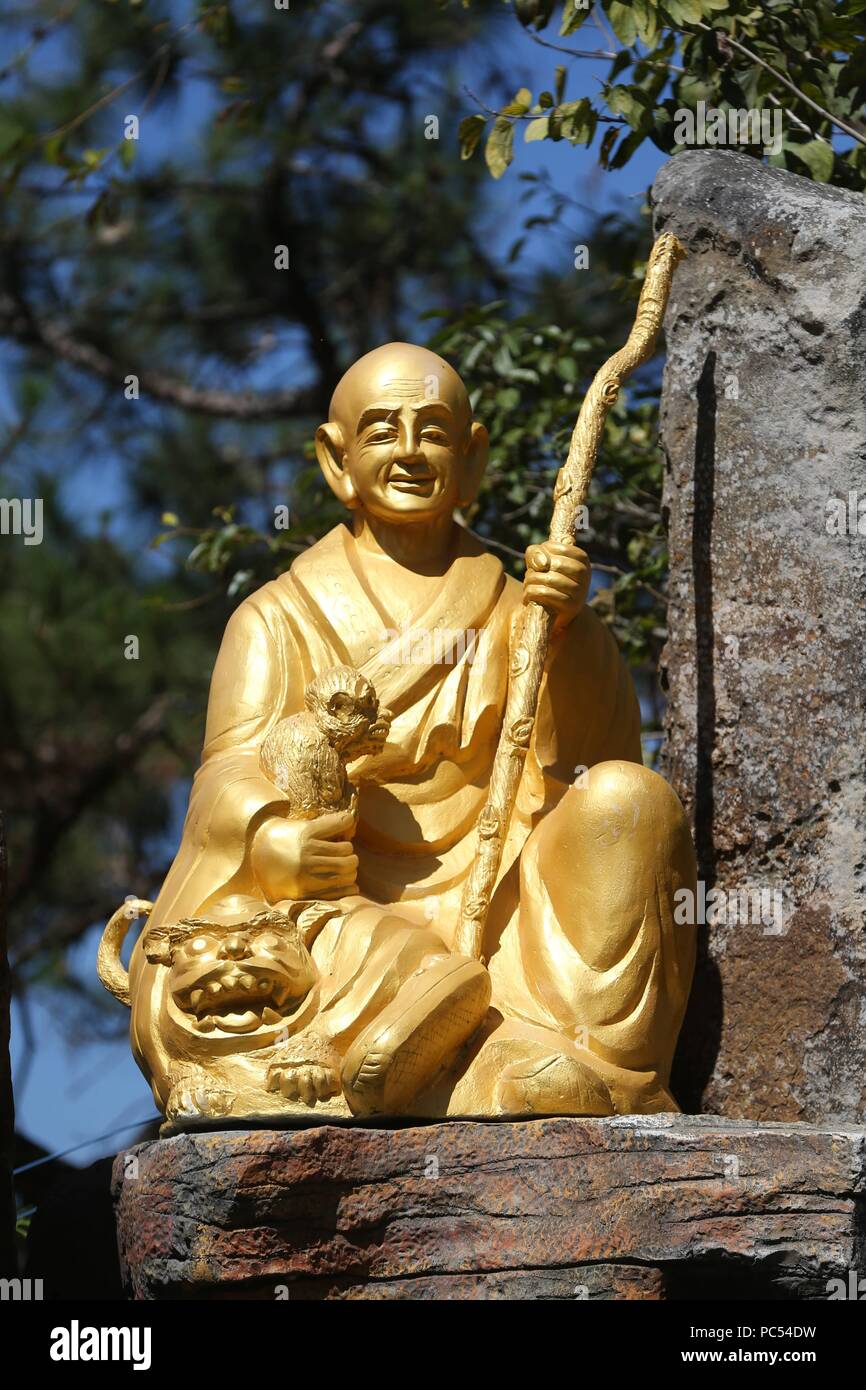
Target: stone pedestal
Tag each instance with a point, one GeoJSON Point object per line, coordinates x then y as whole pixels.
{"type": "Point", "coordinates": [764, 427]}
{"type": "Point", "coordinates": [660, 1207]}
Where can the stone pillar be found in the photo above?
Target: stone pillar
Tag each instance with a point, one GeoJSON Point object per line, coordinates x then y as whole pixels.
{"type": "Point", "coordinates": [764, 428]}
{"type": "Point", "coordinates": [656, 1207]}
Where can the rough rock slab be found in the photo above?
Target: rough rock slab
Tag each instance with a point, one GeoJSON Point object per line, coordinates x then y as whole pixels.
{"type": "Point", "coordinates": [655, 1207]}
{"type": "Point", "coordinates": [764, 428]}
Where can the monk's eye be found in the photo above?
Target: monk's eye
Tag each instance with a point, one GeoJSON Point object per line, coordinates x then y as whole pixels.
{"type": "Point", "coordinates": [434, 435]}
{"type": "Point", "coordinates": [381, 437]}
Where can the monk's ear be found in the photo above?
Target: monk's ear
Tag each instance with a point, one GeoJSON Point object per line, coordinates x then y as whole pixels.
{"type": "Point", "coordinates": [331, 453]}
{"type": "Point", "coordinates": [474, 464]}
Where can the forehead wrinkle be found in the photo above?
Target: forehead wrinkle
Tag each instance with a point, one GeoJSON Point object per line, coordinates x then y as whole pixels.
{"type": "Point", "coordinates": [405, 386]}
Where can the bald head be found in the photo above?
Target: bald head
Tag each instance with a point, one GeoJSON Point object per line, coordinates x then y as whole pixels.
{"type": "Point", "coordinates": [400, 443]}
{"type": "Point", "coordinates": [398, 373]}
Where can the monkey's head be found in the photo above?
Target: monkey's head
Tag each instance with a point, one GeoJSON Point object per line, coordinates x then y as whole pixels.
{"type": "Point", "coordinates": [346, 709]}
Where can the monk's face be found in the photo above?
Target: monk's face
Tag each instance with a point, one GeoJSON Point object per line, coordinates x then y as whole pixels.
{"type": "Point", "coordinates": [400, 442]}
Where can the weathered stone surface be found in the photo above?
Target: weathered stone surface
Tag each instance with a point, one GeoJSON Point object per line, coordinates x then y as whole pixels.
{"type": "Point", "coordinates": [764, 421]}
{"type": "Point", "coordinates": [656, 1207]}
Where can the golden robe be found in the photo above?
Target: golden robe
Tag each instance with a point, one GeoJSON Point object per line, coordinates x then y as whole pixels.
{"type": "Point", "coordinates": [420, 798]}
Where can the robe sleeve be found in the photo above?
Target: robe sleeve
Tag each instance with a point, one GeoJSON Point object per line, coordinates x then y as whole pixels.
{"type": "Point", "coordinates": [257, 680]}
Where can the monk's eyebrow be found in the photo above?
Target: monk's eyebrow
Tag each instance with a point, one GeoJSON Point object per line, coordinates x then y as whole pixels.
{"type": "Point", "coordinates": [374, 414]}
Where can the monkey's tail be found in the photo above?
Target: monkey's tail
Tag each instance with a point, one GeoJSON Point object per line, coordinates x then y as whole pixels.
{"type": "Point", "coordinates": [109, 966]}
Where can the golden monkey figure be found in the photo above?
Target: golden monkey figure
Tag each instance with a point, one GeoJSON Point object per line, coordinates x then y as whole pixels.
{"type": "Point", "coordinates": [298, 962]}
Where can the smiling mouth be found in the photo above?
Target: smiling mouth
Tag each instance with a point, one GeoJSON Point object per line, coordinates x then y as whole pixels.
{"type": "Point", "coordinates": [411, 482]}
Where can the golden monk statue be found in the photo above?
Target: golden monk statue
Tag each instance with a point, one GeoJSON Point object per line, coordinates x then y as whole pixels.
{"type": "Point", "coordinates": [303, 964]}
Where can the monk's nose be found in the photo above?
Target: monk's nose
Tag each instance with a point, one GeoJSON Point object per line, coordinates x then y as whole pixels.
{"type": "Point", "coordinates": [409, 451]}
{"type": "Point", "coordinates": [408, 448]}
{"type": "Point", "coordinates": [234, 948]}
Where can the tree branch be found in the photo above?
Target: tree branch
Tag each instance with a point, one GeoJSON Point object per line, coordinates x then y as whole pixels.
{"type": "Point", "coordinates": [20, 323]}
{"type": "Point", "coordinates": [786, 82]}
{"type": "Point", "coordinates": [53, 819]}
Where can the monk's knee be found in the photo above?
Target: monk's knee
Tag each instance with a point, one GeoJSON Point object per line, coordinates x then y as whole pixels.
{"type": "Point", "coordinates": [622, 797]}
{"type": "Point", "coordinates": [617, 842]}
{"type": "Point", "coordinates": [621, 812]}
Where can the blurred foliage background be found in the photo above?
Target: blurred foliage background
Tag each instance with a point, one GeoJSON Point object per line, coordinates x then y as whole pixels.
{"type": "Point", "coordinates": [163, 376]}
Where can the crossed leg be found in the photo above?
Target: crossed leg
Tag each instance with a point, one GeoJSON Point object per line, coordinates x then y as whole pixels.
{"type": "Point", "coordinates": [396, 1008]}
{"type": "Point", "coordinates": [592, 973]}
{"type": "Point", "coordinates": [604, 973]}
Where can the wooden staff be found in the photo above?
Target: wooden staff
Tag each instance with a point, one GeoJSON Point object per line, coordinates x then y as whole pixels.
{"type": "Point", "coordinates": [529, 650]}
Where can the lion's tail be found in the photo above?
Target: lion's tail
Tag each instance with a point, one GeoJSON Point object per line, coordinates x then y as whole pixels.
{"type": "Point", "coordinates": [109, 966]}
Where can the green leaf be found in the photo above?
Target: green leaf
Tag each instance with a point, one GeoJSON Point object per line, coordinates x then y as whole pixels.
{"type": "Point", "coordinates": [127, 153]}
{"type": "Point", "coordinates": [683, 11]}
{"type": "Point", "coordinates": [11, 134]}
{"type": "Point", "coordinates": [691, 90]}
{"type": "Point", "coordinates": [646, 22]}
{"type": "Point", "coordinates": [240, 580]}
{"type": "Point", "coordinates": [54, 152]}
{"type": "Point", "coordinates": [853, 74]}
{"type": "Point", "coordinates": [469, 133]}
{"type": "Point", "coordinates": [622, 21]}
{"type": "Point", "coordinates": [577, 121]}
{"type": "Point", "coordinates": [631, 103]}
{"type": "Point", "coordinates": [537, 129]}
{"type": "Point", "coordinates": [93, 158]}
{"type": "Point", "coordinates": [499, 150]}
{"type": "Point", "coordinates": [626, 149]}
{"type": "Point", "coordinates": [622, 61]}
{"type": "Point", "coordinates": [573, 14]}
{"type": "Point", "coordinates": [519, 104]}
{"type": "Point", "coordinates": [817, 155]}
{"type": "Point", "coordinates": [607, 145]}
{"type": "Point", "coordinates": [534, 12]}
{"type": "Point", "coordinates": [559, 84]}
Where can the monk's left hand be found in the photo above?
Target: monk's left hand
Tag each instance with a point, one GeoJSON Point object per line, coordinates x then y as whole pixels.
{"type": "Point", "coordinates": [557, 577]}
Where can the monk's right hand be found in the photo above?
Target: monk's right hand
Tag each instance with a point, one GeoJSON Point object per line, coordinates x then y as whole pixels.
{"type": "Point", "coordinates": [306, 858]}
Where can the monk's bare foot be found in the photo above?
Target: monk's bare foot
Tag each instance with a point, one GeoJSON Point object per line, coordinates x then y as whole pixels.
{"type": "Point", "coordinates": [553, 1084]}
{"type": "Point", "coordinates": [415, 1036]}
{"type": "Point", "coordinates": [307, 1069]}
